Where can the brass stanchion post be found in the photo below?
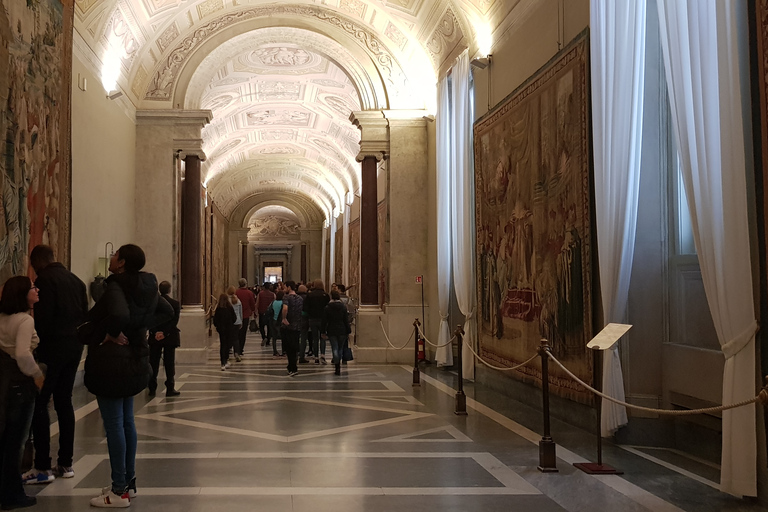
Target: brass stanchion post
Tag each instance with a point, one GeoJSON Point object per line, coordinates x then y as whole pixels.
{"type": "Point", "coordinates": [416, 374]}
{"type": "Point", "coordinates": [461, 398]}
{"type": "Point", "coordinates": [547, 456]}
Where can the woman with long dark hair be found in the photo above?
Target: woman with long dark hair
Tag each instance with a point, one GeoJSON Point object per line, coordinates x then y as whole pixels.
{"type": "Point", "coordinates": [224, 319]}
{"type": "Point", "coordinates": [20, 380]}
{"type": "Point", "coordinates": [117, 366]}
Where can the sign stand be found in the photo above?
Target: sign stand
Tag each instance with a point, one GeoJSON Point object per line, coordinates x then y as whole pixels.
{"type": "Point", "coordinates": [604, 340]}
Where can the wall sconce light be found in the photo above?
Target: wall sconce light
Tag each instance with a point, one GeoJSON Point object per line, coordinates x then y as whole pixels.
{"type": "Point", "coordinates": [481, 62]}
{"type": "Point", "coordinates": [114, 94]}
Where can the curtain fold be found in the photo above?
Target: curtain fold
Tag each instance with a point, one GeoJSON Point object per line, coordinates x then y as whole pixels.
{"type": "Point", "coordinates": [617, 31]}
{"type": "Point", "coordinates": [701, 59]}
{"type": "Point", "coordinates": [462, 228]}
{"type": "Point", "coordinates": [444, 355]}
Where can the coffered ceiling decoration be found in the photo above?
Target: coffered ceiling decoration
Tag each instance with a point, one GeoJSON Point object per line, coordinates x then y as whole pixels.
{"type": "Point", "coordinates": [281, 78]}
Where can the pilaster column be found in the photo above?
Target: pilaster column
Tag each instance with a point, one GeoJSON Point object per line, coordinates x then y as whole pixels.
{"type": "Point", "coordinates": [288, 266]}
{"type": "Point", "coordinates": [244, 260]}
{"type": "Point", "coordinates": [369, 234]}
{"type": "Point", "coordinates": [192, 317]}
{"type": "Point", "coordinates": [191, 230]}
{"type": "Point", "coordinates": [374, 147]}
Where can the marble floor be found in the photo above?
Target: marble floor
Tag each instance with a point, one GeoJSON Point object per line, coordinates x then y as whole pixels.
{"type": "Point", "coordinates": [253, 438]}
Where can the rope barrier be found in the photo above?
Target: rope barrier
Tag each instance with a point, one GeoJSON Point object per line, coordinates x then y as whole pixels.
{"type": "Point", "coordinates": [390, 343]}
{"type": "Point", "coordinates": [436, 346]}
{"type": "Point", "coordinates": [502, 369]}
{"type": "Point", "coordinates": [763, 396]}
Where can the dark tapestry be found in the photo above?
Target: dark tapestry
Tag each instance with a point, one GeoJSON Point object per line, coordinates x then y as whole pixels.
{"type": "Point", "coordinates": [532, 171]}
{"type": "Point", "coordinates": [353, 290]}
{"type": "Point", "coordinates": [338, 264]}
{"type": "Point", "coordinates": [35, 69]}
{"type": "Point", "coordinates": [382, 217]}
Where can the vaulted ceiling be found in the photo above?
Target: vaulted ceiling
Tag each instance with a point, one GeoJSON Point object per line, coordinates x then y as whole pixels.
{"type": "Point", "coordinates": [280, 78]}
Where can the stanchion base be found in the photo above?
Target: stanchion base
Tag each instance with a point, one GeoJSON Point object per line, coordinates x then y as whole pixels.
{"type": "Point", "coordinates": [416, 376]}
{"type": "Point", "coordinates": [547, 456]}
{"type": "Point", "coordinates": [461, 404]}
{"type": "Point", "coordinates": [593, 468]}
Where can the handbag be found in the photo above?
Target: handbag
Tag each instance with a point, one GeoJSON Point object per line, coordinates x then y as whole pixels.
{"type": "Point", "coordinates": [252, 325]}
{"type": "Point", "coordinates": [347, 354]}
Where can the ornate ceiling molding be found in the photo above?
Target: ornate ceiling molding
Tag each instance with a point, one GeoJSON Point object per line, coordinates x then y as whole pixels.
{"type": "Point", "coordinates": [164, 78]}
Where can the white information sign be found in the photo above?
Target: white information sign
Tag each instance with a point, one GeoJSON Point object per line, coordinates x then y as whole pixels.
{"type": "Point", "coordinates": [608, 337]}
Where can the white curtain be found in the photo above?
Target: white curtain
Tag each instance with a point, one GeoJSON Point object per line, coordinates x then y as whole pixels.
{"type": "Point", "coordinates": [700, 45]}
{"type": "Point", "coordinates": [444, 355]}
{"type": "Point", "coordinates": [617, 31]}
{"type": "Point", "coordinates": [463, 206]}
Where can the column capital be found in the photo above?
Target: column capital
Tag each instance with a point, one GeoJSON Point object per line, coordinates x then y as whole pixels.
{"type": "Point", "coordinates": [189, 147]}
{"type": "Point", "coordinates": [415, 118]}
{"type": "Point", "coordinates": [176, 117]}
{"type": "Point", "coordinates": [374, 139]}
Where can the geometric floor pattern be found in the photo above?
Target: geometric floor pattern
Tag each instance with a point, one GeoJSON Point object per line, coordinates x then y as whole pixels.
{"type": "Point", "coordinates": [252, 438]}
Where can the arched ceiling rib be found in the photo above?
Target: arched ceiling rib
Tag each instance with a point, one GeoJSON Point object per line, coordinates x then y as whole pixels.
{"type": "Point", "coordinates": [309, 214]}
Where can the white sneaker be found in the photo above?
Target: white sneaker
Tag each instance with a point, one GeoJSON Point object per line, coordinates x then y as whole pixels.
{"type": "Point", "coordinates": [109, 499]}
{"type": "Point", "coordinates": [223, 368]}
{"type": "Point", "coordinates": [131, 491]}
{"type": "Point", "coordinates": [35, 476]}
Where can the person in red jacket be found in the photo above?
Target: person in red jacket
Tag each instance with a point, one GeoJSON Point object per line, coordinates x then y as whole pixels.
{"type": "Point", "coordinates": [263, 300]}
{"type": "Point", "coordinates": [249, 308]}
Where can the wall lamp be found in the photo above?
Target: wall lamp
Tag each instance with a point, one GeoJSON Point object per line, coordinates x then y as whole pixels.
{"type": "Point", "coordinates": [481, 62]}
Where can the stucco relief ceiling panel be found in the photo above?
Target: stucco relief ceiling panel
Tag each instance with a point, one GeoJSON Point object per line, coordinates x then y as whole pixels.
{"type": "Point", "coordinates": [278, 116]}
{"type": "Point", "coordinates": [446, 36]}
{"type": "Point", "coordinates": [168, 36]}
{"type": "Point", "coordinates": [278, 150]}
{"type": "Point", "coordinates": [354, 7]}
{"type": "Point", "coordinates": [209, 7]}
{"type": "Point", "coordinates": [83, 6]}
{"type": "Point", "coordinates": [138, 79]}
{"type": "Point", "coordinates": [155, 8]}
{"type": "Point", "coordinates": [395, 35]}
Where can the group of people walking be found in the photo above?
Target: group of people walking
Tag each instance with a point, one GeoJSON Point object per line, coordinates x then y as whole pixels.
{"type": "Point", "coordinates": [292, 312]}
{"type": "Point", "coordinates": [127, 331]}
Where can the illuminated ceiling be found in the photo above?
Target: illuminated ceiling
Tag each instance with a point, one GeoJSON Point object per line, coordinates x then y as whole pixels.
{"type": "Point", "coordinates": [281, 78]}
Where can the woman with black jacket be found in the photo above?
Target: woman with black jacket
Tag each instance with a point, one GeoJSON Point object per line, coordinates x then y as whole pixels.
{"type": "Point", "coordinates": [224, 319]}
{"type": "Point", "coordinates": [117, 365]}
{"type": "Point", "coordinates": [336, 326]}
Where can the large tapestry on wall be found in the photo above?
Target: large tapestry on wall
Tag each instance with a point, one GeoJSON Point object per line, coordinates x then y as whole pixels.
{"type": "Point", "coordinates": [382, 216]}
{"type": "Point", "coordinates": [353, 290]}
{"type": "Point", "coordinates": [35, 69]}
{"type": "Point", "coordinates": [532, 178]}
{"type": "Point", "coordinates": [338, 257]}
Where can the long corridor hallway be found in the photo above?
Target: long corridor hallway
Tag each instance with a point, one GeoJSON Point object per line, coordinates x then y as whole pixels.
{"type": "Point", "coordinates": [254, 439]}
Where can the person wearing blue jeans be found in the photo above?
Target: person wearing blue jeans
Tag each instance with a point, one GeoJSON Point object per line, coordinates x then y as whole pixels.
{"type": "Point", "coordinates": [117, 365]}
{"type": "Point", "coordinates": [335, 325]}
{"type": "Point", "coordinates": [122, 441]}
{"type": "Point", "coordinates": [314, 305]}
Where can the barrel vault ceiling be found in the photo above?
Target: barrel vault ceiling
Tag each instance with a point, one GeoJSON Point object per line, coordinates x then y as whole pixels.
{"type": "Point", "coordinates": [281, 78]}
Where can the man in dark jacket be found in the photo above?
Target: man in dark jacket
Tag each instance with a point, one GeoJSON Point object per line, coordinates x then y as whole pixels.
{"type": "Point", "coordinates": [163, 340]}
{"type": "Point", "coordinates": [314, 307]}
{"type": "Point", "coordinates": [62, 307]}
